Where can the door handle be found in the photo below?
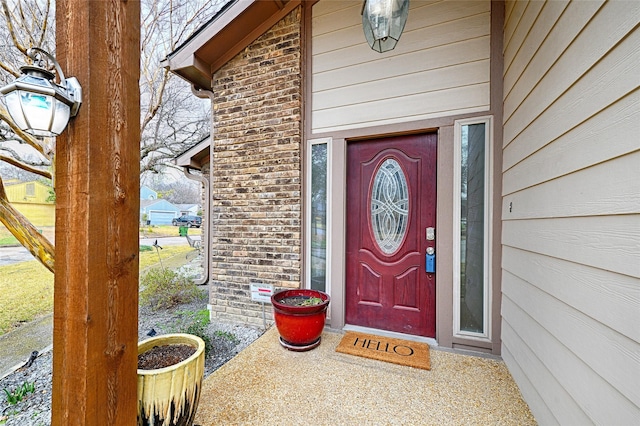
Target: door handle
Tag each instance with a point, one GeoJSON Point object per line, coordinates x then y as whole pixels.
{"type": "Point", "coordinates": [430, 261]}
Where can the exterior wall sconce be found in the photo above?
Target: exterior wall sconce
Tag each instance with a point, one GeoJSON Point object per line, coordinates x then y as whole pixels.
{"type": "Point", "coordinates": [383, 22]}
{"type": "Point", "coordinates": [37, 104]}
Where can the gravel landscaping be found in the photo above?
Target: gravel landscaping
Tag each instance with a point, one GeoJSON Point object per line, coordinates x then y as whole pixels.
{"type": "Point", "coordinates": [35, 408]}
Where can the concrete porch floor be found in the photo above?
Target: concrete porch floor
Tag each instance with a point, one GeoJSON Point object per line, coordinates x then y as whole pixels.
{"type": "Point", "coordinates": [266, 384]}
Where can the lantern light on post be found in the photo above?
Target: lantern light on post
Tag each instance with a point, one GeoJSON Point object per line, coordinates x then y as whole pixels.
{"type": "Point", "coordinates": [37, 104]}
{"type": "Point", "coordinates": [383, 22]}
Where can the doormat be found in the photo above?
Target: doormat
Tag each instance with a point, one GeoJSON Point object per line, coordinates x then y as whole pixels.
{"type": "Point", "coordinates": [397, 351]}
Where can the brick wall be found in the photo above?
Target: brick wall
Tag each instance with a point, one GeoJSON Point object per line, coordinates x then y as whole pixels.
{"type": "Point", "coordinates": [256, 174]}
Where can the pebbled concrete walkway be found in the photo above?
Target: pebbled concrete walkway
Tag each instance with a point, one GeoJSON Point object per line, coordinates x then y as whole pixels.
{"type": "Point", "coordinates": [266, 384]}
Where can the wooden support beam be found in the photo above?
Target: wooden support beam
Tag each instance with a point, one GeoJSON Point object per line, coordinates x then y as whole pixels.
{"type": "Point", "coordinates": [97, 209]}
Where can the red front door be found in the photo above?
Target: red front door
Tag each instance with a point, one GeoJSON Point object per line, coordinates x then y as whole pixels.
{"type": "Point", "coordinates": [391, 201]}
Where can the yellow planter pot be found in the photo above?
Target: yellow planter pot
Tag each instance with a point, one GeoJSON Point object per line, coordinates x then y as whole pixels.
{"type": "Point", "coordinates": [169, 396]}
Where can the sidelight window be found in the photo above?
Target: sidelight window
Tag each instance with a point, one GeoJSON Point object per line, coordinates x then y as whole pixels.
{"type": "Point", "coordinates": [471, 214]}
{"type": "Point", "coordinates": [317, 215]}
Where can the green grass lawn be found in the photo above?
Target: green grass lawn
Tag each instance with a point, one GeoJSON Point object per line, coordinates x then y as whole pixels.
{"type": "Point", "coordinates": [8, 241]}
{"type": "Point", "coordinates": [26, 288]}
{"type": "Point", "coordinates": [26, 292]}
{"type": "Point", "coordinates": [6, 238]}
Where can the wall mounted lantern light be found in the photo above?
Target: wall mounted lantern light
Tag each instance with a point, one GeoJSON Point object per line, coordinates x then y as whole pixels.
{"type": "Point", "coordinates": [383, 22]}
{"type": "Point", "coordinates": [37, 104]}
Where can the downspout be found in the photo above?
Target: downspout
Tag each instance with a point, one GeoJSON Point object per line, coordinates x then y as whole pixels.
{"type": "Point", "coordinates": [207, 228]}
{"type": "Point", "coordinates": [206, 243]}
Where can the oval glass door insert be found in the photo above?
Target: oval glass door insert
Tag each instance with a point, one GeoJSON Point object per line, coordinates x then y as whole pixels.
{"type": "Point", "coordinates": [389, 206]}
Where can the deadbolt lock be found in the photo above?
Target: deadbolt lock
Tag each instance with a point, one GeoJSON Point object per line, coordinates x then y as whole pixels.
{"type": "Point", "coordinates": [431, 234]}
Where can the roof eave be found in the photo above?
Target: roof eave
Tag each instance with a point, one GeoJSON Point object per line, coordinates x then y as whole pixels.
{"type": "Point", "coordinates": [213, 45]}
{"type": "Point", "coordinates": [196, 156]}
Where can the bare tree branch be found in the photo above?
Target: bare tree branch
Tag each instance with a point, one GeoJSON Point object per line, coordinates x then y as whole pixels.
{"type": "Point", "coordinates": [23, 159]}
{"type": "Point", "coordinates": [45, 24]}
{"type": "Point", "coordinates": [26, 167]}
{"type": "Point", "coordinates": [9, 20]}
{"type": "Point", "coordinates": [25, 232]}
{"type": "Point", "coordinates": [172, 119]}
{"type": "Point", "coordinates": [9, 70]}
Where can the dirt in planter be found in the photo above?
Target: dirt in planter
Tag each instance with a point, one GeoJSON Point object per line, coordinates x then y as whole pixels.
{"type": "Point", "coordinates": [164, 356]}
{"type": "Point", "coordinates": [301, 301]}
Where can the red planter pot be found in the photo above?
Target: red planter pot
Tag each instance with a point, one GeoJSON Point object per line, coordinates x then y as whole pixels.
{"type": "Point", "coordinates": [300, 327]}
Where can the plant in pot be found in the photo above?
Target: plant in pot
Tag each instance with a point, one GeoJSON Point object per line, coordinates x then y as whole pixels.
{"type": "Point", "coordinates": [170, 373]}
{"type": "Point", "coordinates": [300, 315]}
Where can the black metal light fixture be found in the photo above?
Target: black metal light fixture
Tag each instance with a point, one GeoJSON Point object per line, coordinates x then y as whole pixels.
{"type": "Point", "coordinates": [37, 104]}
{"type": "Point", "coordinates": [383, 22]}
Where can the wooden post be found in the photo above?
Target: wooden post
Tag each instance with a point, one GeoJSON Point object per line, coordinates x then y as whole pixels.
{"type": "Point", "coordinates": [97, 214]}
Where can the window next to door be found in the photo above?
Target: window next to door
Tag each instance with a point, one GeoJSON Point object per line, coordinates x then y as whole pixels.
{"type": "Point", "coordinates": [472, 195]}
{"type": "Point", "coordinates": [317, 225]}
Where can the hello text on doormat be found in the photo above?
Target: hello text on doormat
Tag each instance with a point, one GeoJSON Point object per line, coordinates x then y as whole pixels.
{"type": "Point", "coordinates": [397, 351]}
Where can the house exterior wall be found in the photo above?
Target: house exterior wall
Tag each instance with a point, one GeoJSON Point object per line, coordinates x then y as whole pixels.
{"type": "Point", "coordinates": [28, 192]}
{"type": "Point", "coordinates": [147, 193]}
{"type": "Point", "coordinates": [448, 47]}
{"type": "Point", "coordinates": [39, 214]}
{"type": "Point", "coordinates": [571, 209]}
{"type": "Point", "coordinates": [439, 68]}
{"type": "Point", "coordinates": [30, 199]}
{"type": "Point", "coordinates": [190, 210]}
{"type": "Point", "coordinates": [256, 177]}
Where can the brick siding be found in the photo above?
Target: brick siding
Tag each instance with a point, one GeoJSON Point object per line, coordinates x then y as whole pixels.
{"type": "Point", "coordinates": [256, 173]}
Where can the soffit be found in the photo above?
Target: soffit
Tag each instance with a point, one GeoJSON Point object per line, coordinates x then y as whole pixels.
{"type": "Point", "coordinates": [234, 28]}
{"type": "Point", "coordinates": [196, 156]}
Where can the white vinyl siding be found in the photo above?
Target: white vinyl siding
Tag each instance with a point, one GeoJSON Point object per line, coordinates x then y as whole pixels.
{"type": "Point", "coordinates": [571, 209]}
{"type": "Point", "coordinates": [440, 66]}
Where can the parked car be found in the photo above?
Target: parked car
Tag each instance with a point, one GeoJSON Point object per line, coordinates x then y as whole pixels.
{"type": "Point", "coordinates": [186, 220]}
